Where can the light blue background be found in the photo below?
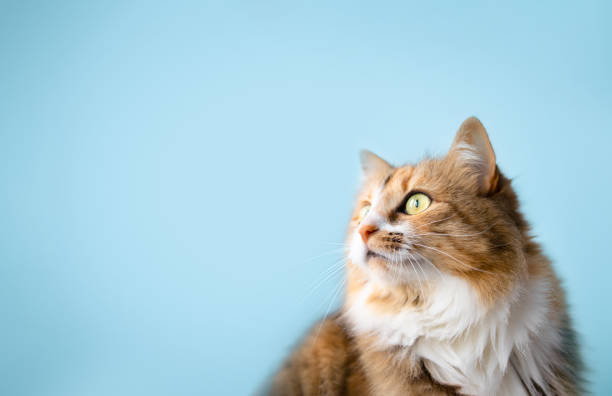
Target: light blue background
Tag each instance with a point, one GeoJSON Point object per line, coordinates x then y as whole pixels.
{"type": "Point", "coordinates": [170, 172]}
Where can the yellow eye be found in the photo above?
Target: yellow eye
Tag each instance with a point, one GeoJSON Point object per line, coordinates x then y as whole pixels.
{"type": "Point", "coordinates": [417, 203]}
{"type": "Point", "coordinates": [364, 212]}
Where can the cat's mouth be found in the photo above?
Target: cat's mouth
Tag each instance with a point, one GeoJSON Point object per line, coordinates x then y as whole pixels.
{"type": "Point", "coordinates": [372, 256]}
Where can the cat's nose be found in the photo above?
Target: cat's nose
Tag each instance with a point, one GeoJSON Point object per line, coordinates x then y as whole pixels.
{"type": "Point", "coordinates": [366, 230]}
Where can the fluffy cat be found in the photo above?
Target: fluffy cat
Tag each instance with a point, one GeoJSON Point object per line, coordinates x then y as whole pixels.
{"type": "Point", "coordinates": [447, 293]}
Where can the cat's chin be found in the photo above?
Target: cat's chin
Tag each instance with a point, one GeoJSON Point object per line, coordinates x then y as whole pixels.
{"type": "Point", "coordinates": [385, 272]}
{"type": "Point", "coordinates": [377, 263]}
{"type": "Point", "coordinates": [370, 261]}
{"type": "Point", "coordinates": [380, 269]}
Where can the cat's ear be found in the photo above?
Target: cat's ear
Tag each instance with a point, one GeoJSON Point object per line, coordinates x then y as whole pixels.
{"type": "Point", "coordinates": [372, 164]}
{"type": "Point", "coordinates": [472, 150]}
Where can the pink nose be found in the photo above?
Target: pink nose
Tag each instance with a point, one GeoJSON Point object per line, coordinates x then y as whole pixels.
{"type": "Point", "coordinates": [366, 230]}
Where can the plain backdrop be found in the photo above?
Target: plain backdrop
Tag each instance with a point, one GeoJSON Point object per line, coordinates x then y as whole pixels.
{"type": "Point", "coordinates": [176, 177]}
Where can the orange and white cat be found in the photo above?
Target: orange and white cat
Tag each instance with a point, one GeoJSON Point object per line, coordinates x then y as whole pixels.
{"type": "Point", "coordinates": [447, 293]}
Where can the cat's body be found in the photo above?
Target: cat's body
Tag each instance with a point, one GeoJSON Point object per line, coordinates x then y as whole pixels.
{"type": "Point", "coordinates": [447, 293]}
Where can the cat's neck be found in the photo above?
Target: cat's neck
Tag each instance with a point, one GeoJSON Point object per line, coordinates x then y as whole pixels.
{"type": "Point", "coordinates": [461, 340]}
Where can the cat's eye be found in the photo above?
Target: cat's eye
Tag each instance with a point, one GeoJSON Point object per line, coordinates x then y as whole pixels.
{"type": "Point", "coordinates": [363, 212]}
{"type": "Point", "coordinates": [417, 203]}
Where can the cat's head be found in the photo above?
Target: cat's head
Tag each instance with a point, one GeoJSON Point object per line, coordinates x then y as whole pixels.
{"type": "Point", "coordinates": [455, 215]}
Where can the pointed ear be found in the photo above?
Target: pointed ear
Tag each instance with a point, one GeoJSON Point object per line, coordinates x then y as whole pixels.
{"type": "Point", "coordinates": [472, 149]}
{"type": "Point", "coordinates": [372, 164]}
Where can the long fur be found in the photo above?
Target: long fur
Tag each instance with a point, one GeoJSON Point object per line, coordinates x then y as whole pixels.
{"type": "Point", "coordinates": [457, 299]}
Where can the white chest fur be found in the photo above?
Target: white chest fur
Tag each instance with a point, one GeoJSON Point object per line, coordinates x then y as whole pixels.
{"type": "Point", "coordinates": [462, 342]}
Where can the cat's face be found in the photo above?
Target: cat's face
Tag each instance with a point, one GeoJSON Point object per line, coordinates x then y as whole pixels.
{"type": "Point", "coordinates": [453, 215]}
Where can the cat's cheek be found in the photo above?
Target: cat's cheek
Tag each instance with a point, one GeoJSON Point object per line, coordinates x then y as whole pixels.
{"type": "Point", "coordinates": [358, 251]}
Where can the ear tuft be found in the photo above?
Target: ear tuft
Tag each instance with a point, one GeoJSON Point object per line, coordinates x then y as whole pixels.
{"type": "Point", "coordinates": [372, 164]}
{"type": "Point", "coordinates": [472, 148]}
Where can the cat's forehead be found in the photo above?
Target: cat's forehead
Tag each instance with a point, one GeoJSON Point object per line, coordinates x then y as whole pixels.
{"type": "Point", "coordinates": [398, 180]}
{"type": "Point", "coordinates": [390, 186]}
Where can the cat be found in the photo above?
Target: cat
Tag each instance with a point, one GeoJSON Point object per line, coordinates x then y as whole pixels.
{"type": "Point", "coordinates": [447, 293]}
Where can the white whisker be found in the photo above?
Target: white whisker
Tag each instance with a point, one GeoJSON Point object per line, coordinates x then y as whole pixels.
{"type": "Point", "coordinates": [429, 262]}
{"type": "Point", "coordinates": [418, 264]}
{"type": "Point", "coordinates": [329, 273]}
{"type": "Point", "coordinates": [457, 235]}
{"type": "Point", "coordinates": [328, 253]}
{"type": "Point", "coordinates": [337, 289]}
{"type": "Point", "coordinates": [452, 257]}
{"type": "Point", "coordinates": [417, 276]}
{"type": "Point", "coordinates": [433, 222]}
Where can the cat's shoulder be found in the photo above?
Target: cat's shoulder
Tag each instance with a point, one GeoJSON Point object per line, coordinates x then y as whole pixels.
{"type": "Point", "coordinates": [325, 362]}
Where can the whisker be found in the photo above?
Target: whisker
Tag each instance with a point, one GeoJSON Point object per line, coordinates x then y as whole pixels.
{"type": "Point", "coordinates": [457, 235]}
{"type": "Point", "coordinates": [454, 258]}
{"type": "Point", "coordinates": [335, 264]}
{"type": "Point", "coordinates": [337, 289]}
{"type": "Point", "coordinates": [417, 275]}
{"type": "Point", "coordinates": [429, 262]}
{"type": "Point", "coordinates": [336, 244]}
{"type": "Point", "coordinates": [327, 274]}
{"type": "Point", "coordinates": [396, 267]}
{"type": "Point", "coordinates": [433, 222]}
{"type": "Point", "coordinates": [327, 253]}
{"type": "Point", "coordinates": [418, 264]}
